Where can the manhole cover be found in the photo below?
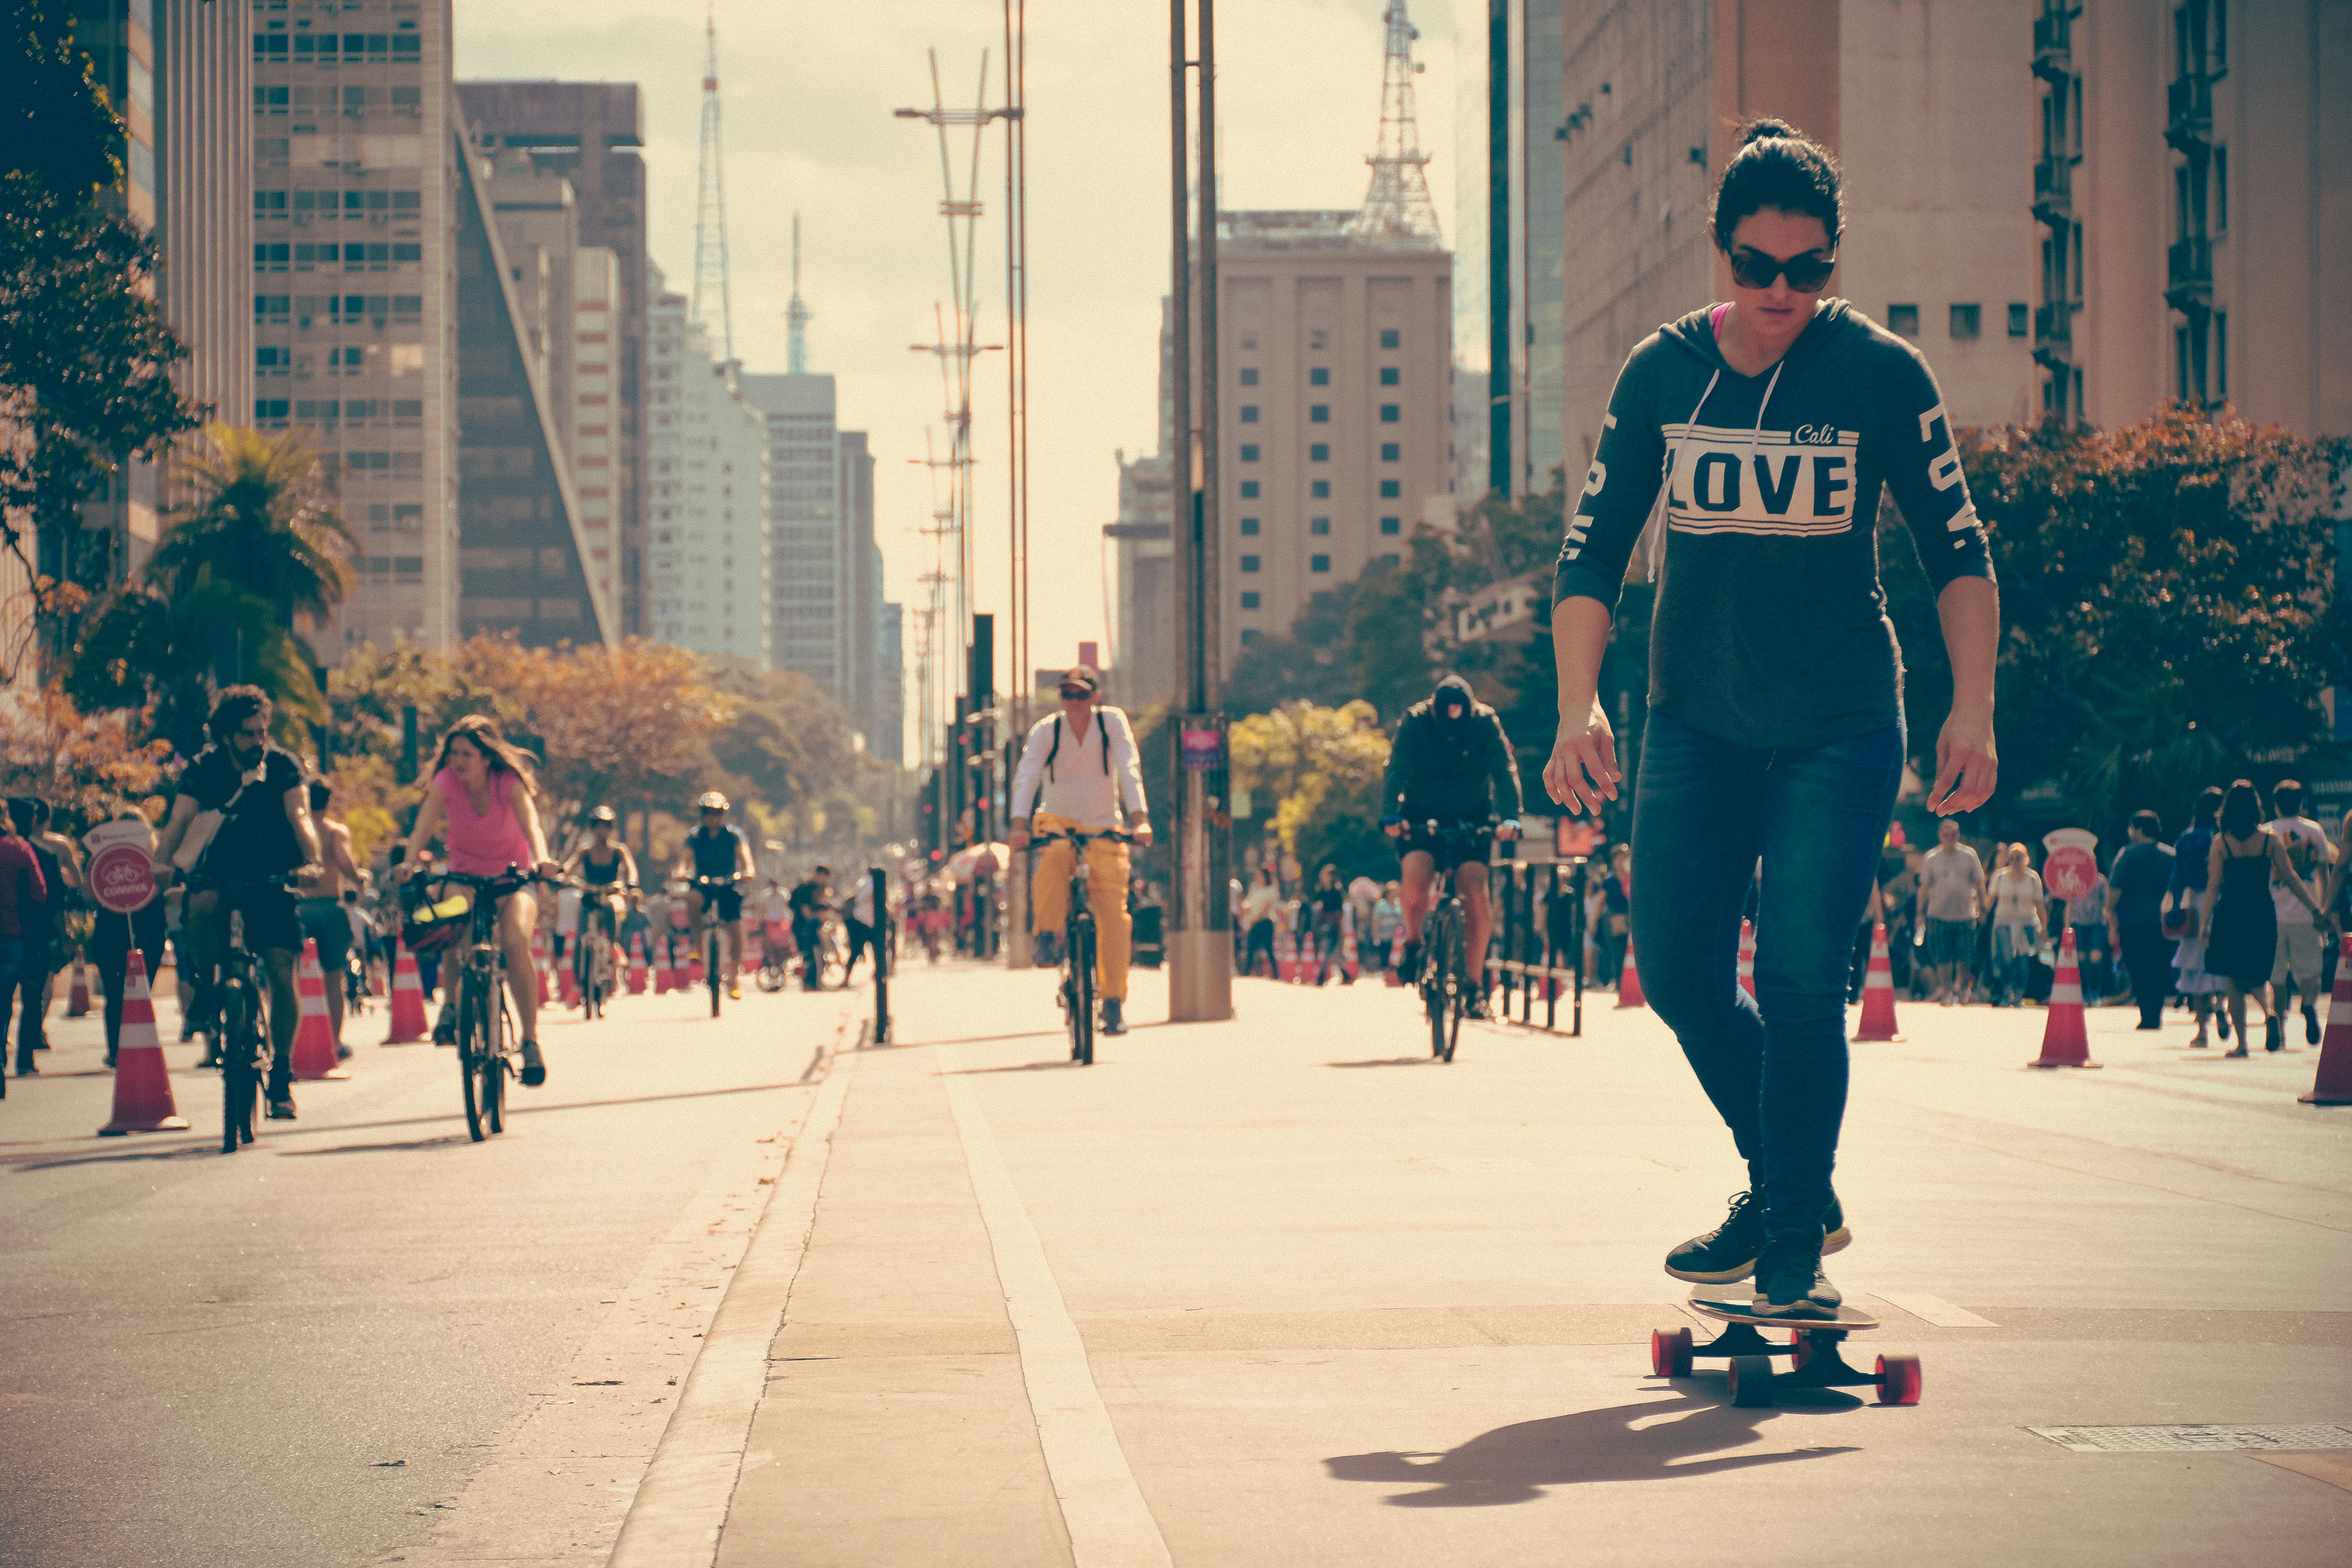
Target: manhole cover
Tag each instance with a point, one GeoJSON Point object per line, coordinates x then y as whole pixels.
{"type": "Point", "coordinates": [2181, 1439]}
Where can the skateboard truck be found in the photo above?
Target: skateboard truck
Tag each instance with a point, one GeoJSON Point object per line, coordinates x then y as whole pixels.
{"type": "Point", "coordinates": [1812, 1350]}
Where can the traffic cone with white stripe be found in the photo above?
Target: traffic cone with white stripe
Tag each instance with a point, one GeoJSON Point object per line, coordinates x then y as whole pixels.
{"type": "Point", "coordinates": [1348, 945]}
{"type": "Point", "coordinates": [408, 1024]}
{"type": "Point", "coordinates": [640, 972]}
{"type": "Point", "coordinates": [1878, 992]}
{"type": "Point", "coordinates": [1748, 957]}
{"type": "Point", "coordinates": [143, 1086]}
{"type": "Point", "coordinates": [77, 989]}
{"type": "Point", "coordinates": [2066, 1042]}
{"type": "Point", "coordinates": [2333, 1086]}
{"type": "Point", "coordinates": [1629, 982]}
{"type": "Point", "coordinates": [314, 1034]}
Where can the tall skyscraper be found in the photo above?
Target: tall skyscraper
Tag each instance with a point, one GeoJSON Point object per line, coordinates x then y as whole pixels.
{"type": "Point", "coordinates": [862, 627]}
{"type": "Point", "coordinates": [890, 744]}
{"type": "Point", "coordinates": [591, 133]}
{"type": "Point", "coordinates": [810, 562]}
{"type": "Point", "coordinates": [707, 578]}
{"type": "Point", "coordinates": [358, 180]}
{"type": "Point", "coordinates": [1143, 632]}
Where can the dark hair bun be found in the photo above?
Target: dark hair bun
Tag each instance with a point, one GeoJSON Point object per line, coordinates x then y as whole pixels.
{"type": "Point", "coordinates": [1764, 128]}
{"type": "Point", "coordinates": [1778, 167]}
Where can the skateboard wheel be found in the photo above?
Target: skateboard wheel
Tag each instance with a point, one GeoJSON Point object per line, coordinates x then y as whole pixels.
{"type": "Point", "coordinates": [1749, 1381]}
{"type": "Point", "coordinates": [1898, 1380]}
{"type": "Point", "coordinates": [1670, 1352]}
{"type": "Point", "coordinates": [1801, 1349]}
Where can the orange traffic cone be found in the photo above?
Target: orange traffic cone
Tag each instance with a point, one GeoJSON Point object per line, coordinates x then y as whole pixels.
{"type": "Point", "coordinates": [2064, 1042]}
{"type": "Point", "coordinates": [1347, 949]}
{"type": "Point", "coordinates": [639, 973]}
{"type": "Point", "coordinates": [1629, 983]}
{"type": "Point", "coordinates": [1286, 956]}
{"type": "Point", "coordinates": [1748, 957]}
{"type": "Point", "coordinates": [314, 1037]}
{"type": "Point", "coordinates": [1878, 992]}
{"type": "Point", "coordinates": [567, 983]}
{"type": "Point", "coordinates": [77, 989]}
{"type": "Point", "coordinates": [2334, 1084]}
{"type": "Point", "coordinates": [407, 998]}
{"type": "Point", "coordinates": [143, 1086]}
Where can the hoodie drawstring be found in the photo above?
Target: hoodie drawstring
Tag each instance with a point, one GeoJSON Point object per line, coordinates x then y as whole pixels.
{"type": "Point", "coordinates": [1658, 524]}
{"type": "Point", "coordinates": [1756, 439]}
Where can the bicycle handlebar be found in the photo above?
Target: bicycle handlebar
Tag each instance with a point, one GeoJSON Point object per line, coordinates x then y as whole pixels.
{"type": "Point", "coordinates": [1073, 837]}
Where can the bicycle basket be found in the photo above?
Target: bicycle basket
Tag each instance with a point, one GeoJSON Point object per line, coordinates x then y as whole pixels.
{"type": "Point", "coordinates": [435, 927]}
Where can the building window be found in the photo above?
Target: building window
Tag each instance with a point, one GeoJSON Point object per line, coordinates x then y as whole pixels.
{"type": "Point", "coordinates": [1318, 453]}
{"type": "Point", "coordinates": [1249, 600]}
{"type": "Point", "coordinates": [1249, 636]}
{"type": "Point", "coordinates": [1321, 490]}
{"type": "Point", "coordinates": [1391, 452]}
{"type": "Point", "coordinates": [1903, 318]}
{"type": "Point", "coordinates": [1968, 320]}
{"type": "Point", "coordinates": [1249, 525]}
{"type": "Point", "coordinates": [1392, 525]}
{"type": "Point", "coordinates": [2020, 319]}
{"type": "Point", "coordinates": [1249, 490]}
{"type": "Point", "coordinates": [1249, 563]}
{"type": "Point", "coordinates": [1249, 341]}
{"type": "Point", "coordinates": [1249, 413]}
{"type": "Point", "coordinates": [1391, 338]}
{"type": "Point", "coordinates": [1249, 376]}
{"type": "Point", "coordinates": [2221, 356]}
{"type": "Point", "coordinates": [1319, 413]}
{"type": "Point", "coordinates": [1318, 525]}
{"type": "Point", "coordinates": [1320, 376]}
{"type": "Point", "coordinates": [1392, 559]}
{"type": "Point", "coordinates": [1319, 564]}
{"type": "Point", "coordinates": [1249, 452]}
{"type": "Point", "coordinates": [1392, 413]}
{"type": "Point", "coordinates": [1390, 375]}
{"type": "Point", "coordinates": [1391, 490]}
{"type": "Point", "coordinates": [2221, 190]}
{"type": "Point", "coordinates": [1318, 338]}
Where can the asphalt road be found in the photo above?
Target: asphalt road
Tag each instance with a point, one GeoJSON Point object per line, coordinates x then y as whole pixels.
{"type": "Point", "coordinates": [304, 1353]}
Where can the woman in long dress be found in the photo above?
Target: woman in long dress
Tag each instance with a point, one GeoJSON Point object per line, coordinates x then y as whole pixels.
{"type": "Point", "coordinates": [2240, 919]}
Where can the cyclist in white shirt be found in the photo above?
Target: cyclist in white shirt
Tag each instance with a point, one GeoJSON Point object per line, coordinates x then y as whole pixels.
{"type": "Point", "coordinates": [1079, 769]}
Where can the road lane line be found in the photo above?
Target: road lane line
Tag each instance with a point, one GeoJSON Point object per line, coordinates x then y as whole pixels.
{"type": "Point", "coordinates": [1109, 1524]}
{"type": "Point", "coordinates": [681, 1505]}
{"type": "Point", "coordinates": [1934, 1309]}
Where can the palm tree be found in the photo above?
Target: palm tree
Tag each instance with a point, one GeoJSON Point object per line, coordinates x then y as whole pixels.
{"type": "Point", "coordinates": [258, 518]}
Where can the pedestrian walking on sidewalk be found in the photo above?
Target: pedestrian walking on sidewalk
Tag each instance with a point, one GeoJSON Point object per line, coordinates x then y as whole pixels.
{"type": "Point", "coordinates": [1328, 899]}
{"type": "Point", "coordinates": [1259, 906]}
{"type": "Point", "coordinates": [2238, 911]}
{"type": "Point", "coordinates": [2136, 886]}
{"type": "Point", "coordinates": [23, 890]}
{"type": "Point", "coordinates": [2300, 932]}
{"type": "Point", "coordinates": [1952, 896]}
{"type": "Point", "coordinates": [2020, 906]}
{"type": "Point", "coordinates": [1762, 434]}
{"type": "Point", "coordinates": [2185, 921]}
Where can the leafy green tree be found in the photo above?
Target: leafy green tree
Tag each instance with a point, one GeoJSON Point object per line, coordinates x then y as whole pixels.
{"type": "Point", "coordinates": [258, 516]}
{"type": "Point", "coordinates": [1321, 767]}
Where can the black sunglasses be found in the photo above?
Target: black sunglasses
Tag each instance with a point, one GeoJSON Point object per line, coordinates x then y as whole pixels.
{"type": "Point", "coordinates": [1807, 270]}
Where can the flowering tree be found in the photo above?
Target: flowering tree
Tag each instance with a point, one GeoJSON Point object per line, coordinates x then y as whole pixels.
{"type": "Point", "coordinates": [82, 764]}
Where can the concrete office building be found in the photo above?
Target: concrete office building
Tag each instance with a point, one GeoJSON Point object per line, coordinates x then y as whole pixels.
{"type": "Point", "coordinates": [1143, 626]}
{"type": "Point", "coordinates": [179, 72]}
{"type": "Point", "coordinates": [1924, 109]}
{"type": "Point", "coordinates": [810, 585]}
{"type": "Point", "coordinates": [590, 134]}
{"type": "Point", "coordinates": [1509, 245]}
{"type": "Point", "coordinates": [357, 180]}
{"type": "Point", "coordinates": [1336, 350]}
{"type": "Point", "coordinates": [707, 574]}
{"type": "Point", "coordinates": [862, 627]}
{"type": "Point", "coordinates": [890, 743]}
{"type": "Point", "coordinates": [2193, 165]}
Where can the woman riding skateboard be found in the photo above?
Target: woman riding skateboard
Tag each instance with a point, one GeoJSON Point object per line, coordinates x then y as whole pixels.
{"type": "Point", "coordinates": [1771, 424]}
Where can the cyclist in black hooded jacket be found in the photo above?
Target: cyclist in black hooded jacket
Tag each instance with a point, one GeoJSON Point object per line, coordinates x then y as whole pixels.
{"type": "Point", "coordinates": [1451, 763]}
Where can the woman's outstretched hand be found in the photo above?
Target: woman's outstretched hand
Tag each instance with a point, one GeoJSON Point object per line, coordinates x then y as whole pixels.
{"type": "Point", "coordinates": [1966, 767]}
{"type": "Point", "coordinates": [1583, 770]}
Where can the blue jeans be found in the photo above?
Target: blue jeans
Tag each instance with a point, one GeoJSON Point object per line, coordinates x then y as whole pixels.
{"type": "Point", "coordinates": [1773, 1064]}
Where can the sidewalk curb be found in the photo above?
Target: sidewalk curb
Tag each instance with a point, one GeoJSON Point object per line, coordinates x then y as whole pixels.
{"type": "Point", "coordinates": [682, 1503]}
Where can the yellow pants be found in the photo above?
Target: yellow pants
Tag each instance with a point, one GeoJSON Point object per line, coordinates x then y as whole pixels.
{"type": "Point", "coordinates": [1049, 899]}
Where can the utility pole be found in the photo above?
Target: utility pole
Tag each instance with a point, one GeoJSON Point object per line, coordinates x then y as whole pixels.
{"type": "Point", "coordinates": [710, 207]}
{"type": "Point", "coordinates": [1199, 947]}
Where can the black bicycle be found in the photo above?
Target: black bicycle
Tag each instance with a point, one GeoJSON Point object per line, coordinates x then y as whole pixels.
{"type": "Point", "coordinates": [1446, 980]}
{"type": "Point", "coordinates": [485, 1028]}
{"type": "Point", "coordinates": [235, 1026]}
{"type": "Point", "coordinates": [714, 943]}
{"type": "Point", "coordinates": [595, 962]}
{"type": "Point", "coordinates": [1076, 996]}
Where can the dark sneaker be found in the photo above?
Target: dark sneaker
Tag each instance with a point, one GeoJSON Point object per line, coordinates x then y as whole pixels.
{"type": "Point", "coordinates": [1728, 1253]}
{"type": "Point", "coordinates": [444, 1027]}
{"type": "Point", "coordinates": [2274, 1032]}
{"type": "Point", "coordinates": [534, 1069]}
{"type": "Point", "coordinates": [282, 1110]}
{"type": "Point", "coordinates": [2222, 1018]}
{"type": "Point", "coordinates": [1409, 967]}
{"type": "Point", "coordinates": [1476, 1007]}
{"type": "Point", "coordinates": [1788, 1280]}
{"type": "Point", "coordinates": [342, 1052]}
{"type": "Point", "coordinates": [2311, 1026]}
{"type": "Point", "coordinates": [1112, 1021]}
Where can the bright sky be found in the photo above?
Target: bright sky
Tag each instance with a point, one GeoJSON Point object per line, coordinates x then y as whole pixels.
{"type": "Point", "coordinates": [807, 92]}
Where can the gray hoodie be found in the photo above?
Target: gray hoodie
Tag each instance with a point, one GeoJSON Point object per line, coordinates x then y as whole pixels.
{"type": "Point", "coordinates": [1771, 626]}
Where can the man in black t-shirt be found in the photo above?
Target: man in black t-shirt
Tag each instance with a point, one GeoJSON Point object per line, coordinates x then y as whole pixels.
{"type": "Point", "coordinates": [264, 831]}
{"type": "Point", "coordinates": [2136, 888]}
{"type": "Point", "coordinates": [812, 901]}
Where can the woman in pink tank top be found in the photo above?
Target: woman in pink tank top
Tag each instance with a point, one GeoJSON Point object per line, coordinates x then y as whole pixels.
{"type": "Point", "coordinates": [481, 805]}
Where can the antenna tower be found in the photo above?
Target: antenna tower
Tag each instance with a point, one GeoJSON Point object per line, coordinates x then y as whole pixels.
{"type": "Point", "coordinates": [1397, 207]}
{"type": "Point", "coordinates": [796, 315]}
{"type": "Point", "coordinates": [710, 210]}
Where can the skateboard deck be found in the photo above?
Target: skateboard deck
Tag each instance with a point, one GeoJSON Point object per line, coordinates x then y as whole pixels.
{"type": "Point", "coordinates": [1717, 1303]}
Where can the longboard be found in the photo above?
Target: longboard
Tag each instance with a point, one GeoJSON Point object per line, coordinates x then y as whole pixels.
{"type": "Point", "coordinates": [1812, 1350]}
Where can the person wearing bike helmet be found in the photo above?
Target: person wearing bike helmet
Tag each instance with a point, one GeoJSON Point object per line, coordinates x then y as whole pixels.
{"type": "Point", "coordinates": [610, 873]}
{"type": "Point", "coordinates": [1079, 769]}
{"type": "Point", "coordinates": [1451, 764]}
{"type": "Point", "coordinates": [718, 849]}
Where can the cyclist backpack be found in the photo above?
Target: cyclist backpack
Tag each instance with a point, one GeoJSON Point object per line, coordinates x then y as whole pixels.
{"type": "Point", "coordinates": [1102, 727]}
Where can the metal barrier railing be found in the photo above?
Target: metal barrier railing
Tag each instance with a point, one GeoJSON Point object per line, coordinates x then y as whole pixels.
{"type": "Point", "coordinates": [1524, 959]}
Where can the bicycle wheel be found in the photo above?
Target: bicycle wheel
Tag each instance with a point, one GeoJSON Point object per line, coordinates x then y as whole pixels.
{"type": "Point", "coordinates": [1441, 944]}
{"type": "Point", "coordinates": [239, 1084]}
{"type": "Point", "coordinates": [494, 1074]}
{"type": "Point", "coordinates": [712, 948]}
{"type": "Point", "coordinates": [473, 1045]}
{"type": "Point", "coordinates": [1082, 989]}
